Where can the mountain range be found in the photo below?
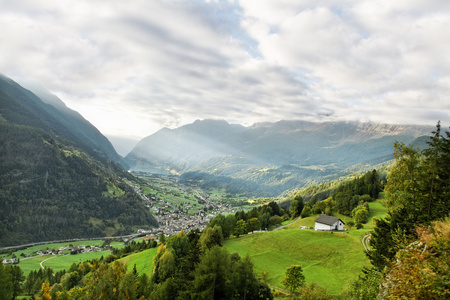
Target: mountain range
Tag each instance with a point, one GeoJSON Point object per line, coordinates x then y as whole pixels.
{"type": "Point", "coordinates": [266, 159]}
{"type": "Point", "coordinates": [59, 176]}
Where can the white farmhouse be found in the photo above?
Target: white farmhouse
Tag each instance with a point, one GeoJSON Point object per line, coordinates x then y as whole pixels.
{"type": "Point", "coordinates": [329, 223]}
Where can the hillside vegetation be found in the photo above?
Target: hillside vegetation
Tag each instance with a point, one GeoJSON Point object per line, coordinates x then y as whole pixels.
{"type": "Point", "coordinates": [51, 191]}
{"type": "Point", "coordinates": [330, 260]}
{"type": "Point", "coordinates": [47, 112]}
{"type": "Point", "coordinates": [52, 187]}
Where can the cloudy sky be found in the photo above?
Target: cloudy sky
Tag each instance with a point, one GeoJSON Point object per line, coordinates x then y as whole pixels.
{"type": "Point", "coordinates": [132, 67]}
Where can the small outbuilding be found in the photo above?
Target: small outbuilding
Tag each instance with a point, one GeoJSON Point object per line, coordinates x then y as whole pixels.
{"type": "Point", "coordinates": [328, 223]}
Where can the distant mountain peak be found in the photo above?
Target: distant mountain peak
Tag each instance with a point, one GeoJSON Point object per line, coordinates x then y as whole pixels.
{"type": "Point", "coordinates": [219, 148]}
{"type": "Point", "coordinates": [210, 121]}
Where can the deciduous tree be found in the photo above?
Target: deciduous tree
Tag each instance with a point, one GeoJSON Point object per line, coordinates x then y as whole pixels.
{"type": "Point", "coordinates": [294, 278]}
{"type": "Point", "coordinates": [240, 228]}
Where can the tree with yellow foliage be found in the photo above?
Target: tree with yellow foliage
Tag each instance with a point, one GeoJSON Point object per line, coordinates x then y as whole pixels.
{"type": "Point", "coordinates": [421, 267]}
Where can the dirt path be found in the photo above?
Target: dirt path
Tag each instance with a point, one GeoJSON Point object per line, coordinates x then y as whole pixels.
{"type": "Point", "coordinates": [366, 241]}
{"type": "Point", "coordinates": [46, 260]}
{"type": "Point", "coordinates": [281, 227]}
{"type": "Point", "coordinates": [278, 288]}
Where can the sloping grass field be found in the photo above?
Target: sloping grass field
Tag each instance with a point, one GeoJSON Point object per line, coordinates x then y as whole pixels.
{"type": "Point", "coordinates": [330, 260]}
{"type": "Point", "coordinates": [143, 261]}
{"type": "Point", "coordinates": [58, 263]}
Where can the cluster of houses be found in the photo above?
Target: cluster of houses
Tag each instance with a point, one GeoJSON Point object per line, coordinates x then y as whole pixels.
{"type": "Point", "coordinates": [11, 261]}
{"type": "Point", "coordinates": [80, 249]}
{"type": "Point", "coordinates": [172, 218]}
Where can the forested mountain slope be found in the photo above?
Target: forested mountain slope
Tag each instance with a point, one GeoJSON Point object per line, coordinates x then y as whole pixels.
{"type": "Point", "coordinates": [54, 115]}
{"type": "Point", "coordinates": [51, 188]}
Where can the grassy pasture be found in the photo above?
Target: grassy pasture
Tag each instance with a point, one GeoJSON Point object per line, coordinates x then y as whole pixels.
{"type": "Point", "coordinates": [52, 246]}
{"type": "Point", "coordinates": [58, 263]}
{"type": "Point", "coordinates": [330, 260]}
{"type": "Point", "coordinates": [29, 264]}
{"type": "Point", "coordinates": [143, 261]}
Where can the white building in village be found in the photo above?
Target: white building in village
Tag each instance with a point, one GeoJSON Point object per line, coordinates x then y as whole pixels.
{"type": "Point", "coordinates": [328, 223]}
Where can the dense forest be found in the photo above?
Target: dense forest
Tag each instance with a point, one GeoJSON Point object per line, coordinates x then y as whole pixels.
{"type": "Point", "coordinates": [52, 190]}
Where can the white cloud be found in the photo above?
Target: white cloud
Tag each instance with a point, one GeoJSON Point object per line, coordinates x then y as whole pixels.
{"type": "Point", "coordinates": [133, 67]}
{"type": "Point", "coordinates": [361, 54]}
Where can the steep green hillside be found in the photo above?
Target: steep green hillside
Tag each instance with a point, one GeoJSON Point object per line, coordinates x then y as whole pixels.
{"type": "Point", "coordinates": [143, 261]}
{"type": "Point", "coordinates": [52, 190]}
{"type": "Point", "coordinates": [330, 260]}
{"type": "Point", "coordinates": [47, 112]}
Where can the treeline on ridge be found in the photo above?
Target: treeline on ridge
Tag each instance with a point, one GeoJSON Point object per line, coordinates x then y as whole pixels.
{"type": "Point", "coordinates": [350, 198]}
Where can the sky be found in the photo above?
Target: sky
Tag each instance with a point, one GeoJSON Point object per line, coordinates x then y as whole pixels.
{"type": "Point", "coordinates": [133, 67]}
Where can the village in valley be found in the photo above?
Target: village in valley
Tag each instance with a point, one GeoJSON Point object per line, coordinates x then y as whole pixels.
{"type": "Point", "coordinates": [162, 196]}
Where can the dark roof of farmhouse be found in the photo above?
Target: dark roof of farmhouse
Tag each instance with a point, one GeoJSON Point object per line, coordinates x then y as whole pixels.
{"type": "Point", "coordinates": [328, 220]}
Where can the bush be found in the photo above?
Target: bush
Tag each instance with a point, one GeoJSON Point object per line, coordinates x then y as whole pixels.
{"type": "Point", "coordinates": [313, 292]}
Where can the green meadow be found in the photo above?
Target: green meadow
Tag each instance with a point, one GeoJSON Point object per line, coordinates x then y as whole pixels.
{"type": "Point", "coordinates": [29, 264]}
{"type": "Point", "coordinates": [58, 263]}
{"type": "Point", "coordinates": [330, 260]}
{"type": "Point", "coordinates": [143, 261]}
{"type": "Point", "coordinates": [52, 246]}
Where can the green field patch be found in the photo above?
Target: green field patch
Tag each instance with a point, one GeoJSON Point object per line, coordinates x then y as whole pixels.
{"type": "Point", "coordinates": [55, 246]}
{"type": "Point", "coordinates": [57, 262]}
{"type": "Point", "coordinates": [33, 263]}
{"type": "Point", "coordinates": [330, 260]}
{"type": "Point", "coordinates": [377, 209]}
{"type": "Point", "coordinates": [95, 221]}
{"type": "Point", "coordinates": [63, 262]}
{"type": "Point", "coordinates": [286, 222]}
{"type": "Point", "coordinates": [143, 261]}
{"type": "Point", "coordinates": [113, 190]}
{"type": "Point", "coordinates": [309, 221]}
{"type": "Point", "coordinates": [117, 245]}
